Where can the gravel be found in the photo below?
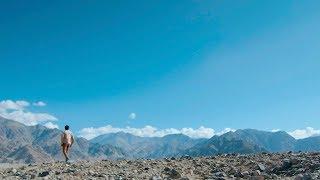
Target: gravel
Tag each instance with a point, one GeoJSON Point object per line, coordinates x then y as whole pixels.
{"type": "Point", "coordinates": [299, 166]}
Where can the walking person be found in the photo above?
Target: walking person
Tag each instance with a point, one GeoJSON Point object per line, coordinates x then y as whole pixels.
{"type": "Point", "coordinates": [66, 142]}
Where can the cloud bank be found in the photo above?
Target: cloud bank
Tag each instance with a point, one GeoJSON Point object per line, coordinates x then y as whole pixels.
{"type": "Point", "coordinates": [150, 131]}
{"type": "Point", "coordinates": [304, 133]}
{"type": "Point", "coordinates": [201, 132]}
{"type": "Point", "coordinates": [18, 111]}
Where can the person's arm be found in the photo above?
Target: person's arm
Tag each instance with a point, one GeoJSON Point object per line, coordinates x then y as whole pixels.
{"type": "Point", "coordinates": [61, 139]}
{"type": "Point", "coordinates": [72, 140]}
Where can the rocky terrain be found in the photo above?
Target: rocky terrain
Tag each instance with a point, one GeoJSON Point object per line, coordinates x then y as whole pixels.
{"type": "Point", "coordinates": [300, 166]}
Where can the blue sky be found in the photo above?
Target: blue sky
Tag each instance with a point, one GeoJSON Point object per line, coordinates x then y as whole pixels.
{"type": "Point", "coordinates": [174, 64]}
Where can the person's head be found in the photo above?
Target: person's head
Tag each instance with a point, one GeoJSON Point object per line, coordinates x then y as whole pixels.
{"type": "Point", "coordinates": [66, 127]}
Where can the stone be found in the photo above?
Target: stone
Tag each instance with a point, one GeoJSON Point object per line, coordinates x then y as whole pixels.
{"type": "Point", "coordinates": [166, 169]}
{"type": "Point", "coordinates": [174, 174]}
{"type": "Point", "coordinates": [13, 171]}
{"type": "Point", "coordinates": [261, 167]}
{"type": "Point", "coordinates": [256, 173]}
{"type": "Point", "coordinates": [155, 178]}
{"type": "Point", "coordinates": [294, 161]}
{"type": "Point", "coordinates": [220, 174]}
{"type": "Point", "coordinates": [286, 164]}
{"type": "Point", "coordinates": [245, 173]}
{"type": "Point", "coordinates": [32, 176]}
{"type": "Point", "coordinates": [303, 177]}
{"type": "Point", "coordinates": [256, 178]}
{"type": "Point", "coordinates": [43, 174]}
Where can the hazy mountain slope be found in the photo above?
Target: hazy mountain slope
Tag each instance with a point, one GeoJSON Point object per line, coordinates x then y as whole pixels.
{"type": "Point", "coordinates": [221, 145]}
{"type": "Point", "coordinates": [308, 144]}
{"type": "Point", "coordinates": [126, 141]}
{"type": "Point", "coordinates": [29, 154]}
{"type": "Point", "coordinates": [271, 141]}
{"type": "Point", "coordinates": [38, 144]}
{"type": "Point", "coordinates": [252, 141]}
{"type": "Point", "coordinates": [149, 147]}
{"type": "Point", "coordinates": [105, 151]}
{"type": "Point", "coordinates": [241, 141]}
{"type": "Point", "coordinates": [173, 144]}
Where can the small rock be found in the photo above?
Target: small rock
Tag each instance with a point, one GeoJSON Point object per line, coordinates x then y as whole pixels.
{"type": "Point", "coordinates": [256, 178]}
{"type": "Point", "coordinates": [220, 174]}
{"type": "Point", "coordinates": [294, 161]}
{"type": "Point", "coordinates": [13, 171]}
{"type": "Point", "coordinates": [184, 178]}
{"type": "Point", "coordinates": [261, 167]}
{"type": "Point", "coordinates": [245, 174]}
{"type": "Point", "coordinates": [118, 178]}
{"type": "Point", "coordinates": [286, 164]}
{"type": "Point", "coordinates": [299, 177]}
{"type": "Point", "coordinates": [166, 169]}
{"type": "Point", "coordinates": [43, 174]}
{"type": "Point", "coordinates": [303, 177]}
{"type": "Point", "coordinates": [155, 178]}
{"type": "Point", "coordinates": [256, 173]}
{"type": "Point", "coordinates": [274, 176]}
{"type": "Point", "coordinates": [174, 174]}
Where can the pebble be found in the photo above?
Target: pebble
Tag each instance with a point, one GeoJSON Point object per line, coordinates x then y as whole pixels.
{"type": "Point", "coordinates": [44, 174]}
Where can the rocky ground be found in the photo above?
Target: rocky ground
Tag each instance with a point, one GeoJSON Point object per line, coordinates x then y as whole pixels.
{"type": "Point", "coordinates": [232, 166]}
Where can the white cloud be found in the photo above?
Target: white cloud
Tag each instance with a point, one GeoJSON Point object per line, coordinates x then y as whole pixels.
{"type": "Point", "coordinates": [18, 111]}
{"type": "Point", "coordinates": [304, 133]}
{"type": "Point", "coordinates": [132, 116]}
{"type": "Point", "coordinates": [201, 132]}
{"type": "Point", "coordinates": [23, 103]}
{"type": "Point", "coordinates": [50, 125]}
{"type": "Point", "coordinates": [39, 103]}
{"type": "Point", "coordinates": [275, 130]}
{"type": "Point", "coordinates": [150, 131]}
{"type": "Point", "coordinates": [13, 105]}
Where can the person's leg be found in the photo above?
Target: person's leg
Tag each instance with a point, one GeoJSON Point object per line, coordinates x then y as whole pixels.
{"type": "Point", "coordinates": [65, 152]}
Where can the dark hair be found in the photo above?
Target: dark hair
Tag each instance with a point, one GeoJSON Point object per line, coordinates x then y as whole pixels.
{"type": "Point", "coordinates": [66, 127]}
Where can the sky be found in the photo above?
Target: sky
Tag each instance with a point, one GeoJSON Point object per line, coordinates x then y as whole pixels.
{"type": "Point", "coordinates": [158, 67]}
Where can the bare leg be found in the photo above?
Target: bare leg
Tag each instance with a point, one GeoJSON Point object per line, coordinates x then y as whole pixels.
{"type": "Point", "coordinates": [65, 151]}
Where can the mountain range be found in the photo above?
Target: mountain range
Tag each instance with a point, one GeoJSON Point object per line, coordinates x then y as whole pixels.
{"type": "Point", "coordinates": [30, 144]}
{"type": "Point", "coordinates": [148, 147]}
{"type": "Point", "coordinates": [241, 141]}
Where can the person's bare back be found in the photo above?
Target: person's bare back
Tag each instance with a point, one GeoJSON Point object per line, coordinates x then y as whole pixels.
{"type": "Point", "coordinates": [66, 142]}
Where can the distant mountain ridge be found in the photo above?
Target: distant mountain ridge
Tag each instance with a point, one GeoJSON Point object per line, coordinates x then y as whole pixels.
{"type": "Point", "coordinates": [253, 141]}
{"type": "Point", "coordinates": [29, 144]}
{"type": "Point", "coordinates": [148, 147]}
{"type": "Point", "coordinates": [241, 141]}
